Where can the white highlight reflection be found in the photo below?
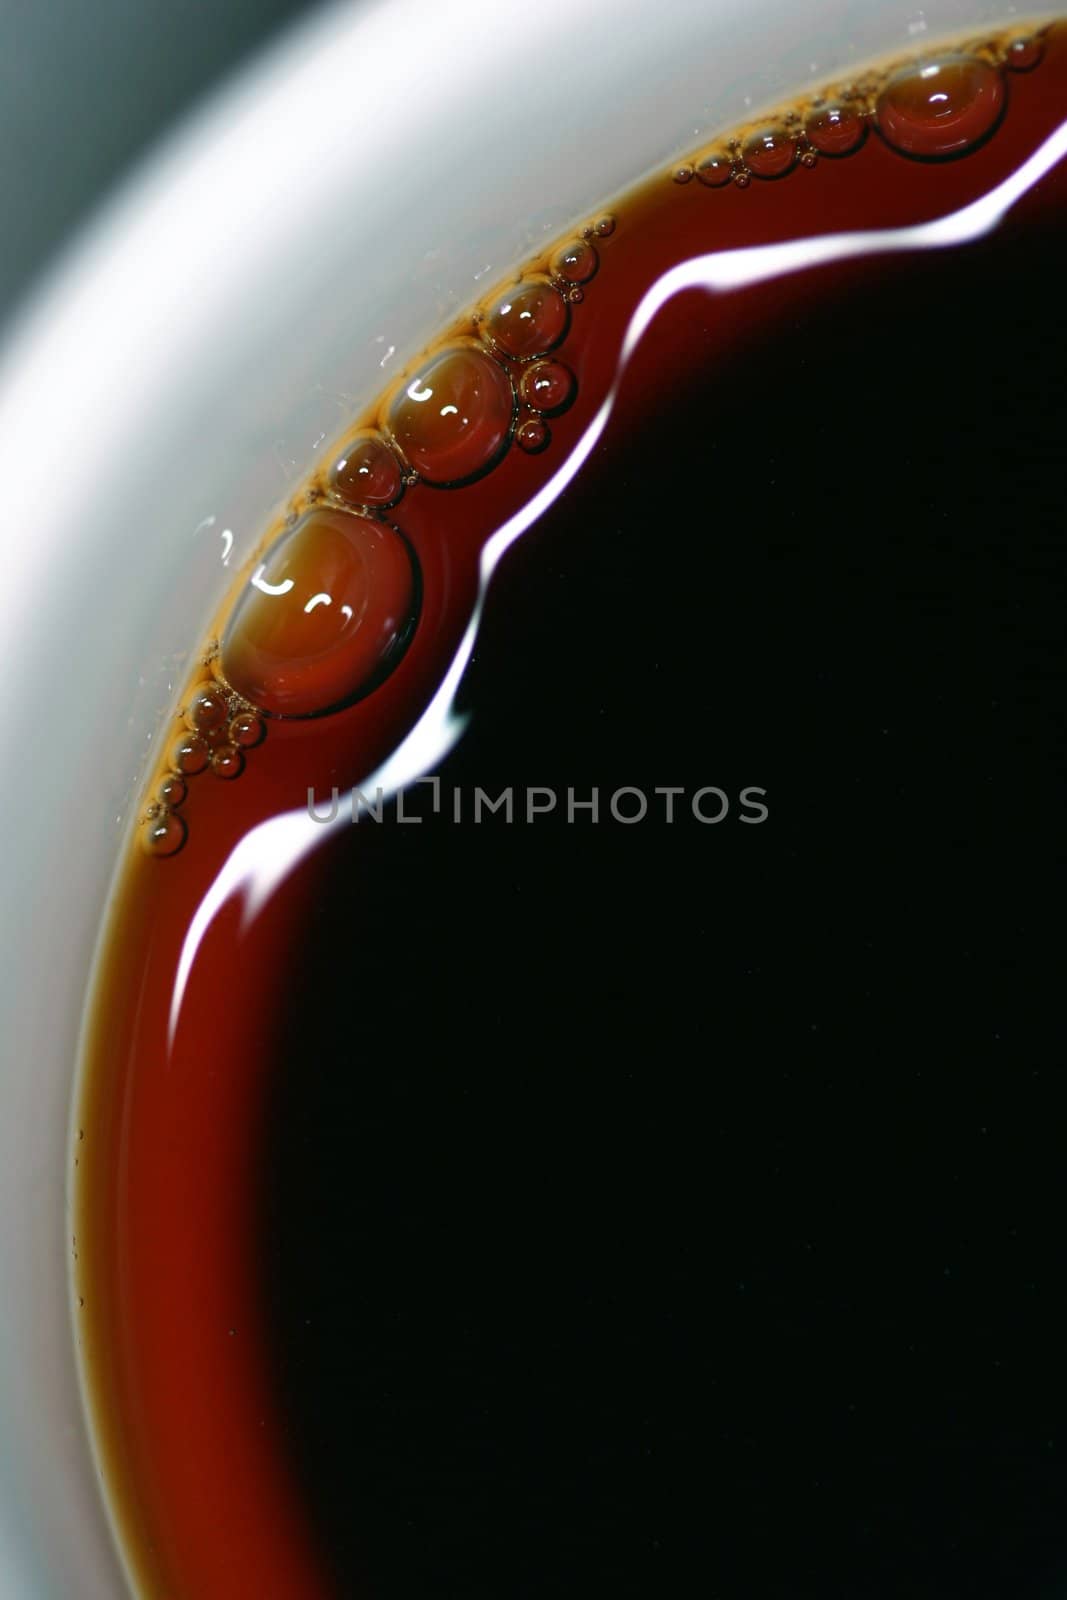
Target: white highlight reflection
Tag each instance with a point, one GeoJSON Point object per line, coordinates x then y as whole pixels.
{"type": "Point", "coordinates": [258, 581]}
{"type": "Point", "coordinates": [266, 855]}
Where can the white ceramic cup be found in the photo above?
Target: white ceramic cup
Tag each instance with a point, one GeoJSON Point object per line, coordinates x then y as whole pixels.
{"type": "Point", "coordinates": [259, 278]}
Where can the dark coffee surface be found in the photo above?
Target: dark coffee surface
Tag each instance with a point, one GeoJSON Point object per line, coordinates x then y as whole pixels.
{"type": "Point", "coordinates": [650, 1205]}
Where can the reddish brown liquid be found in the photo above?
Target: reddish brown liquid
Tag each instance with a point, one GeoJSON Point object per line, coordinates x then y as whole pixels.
{"type": "Point", "coordinates": [396, 1262]}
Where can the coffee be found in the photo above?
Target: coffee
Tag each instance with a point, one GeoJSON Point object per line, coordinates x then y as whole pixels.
{"type": "Point", "coordinates": [629, 1155]}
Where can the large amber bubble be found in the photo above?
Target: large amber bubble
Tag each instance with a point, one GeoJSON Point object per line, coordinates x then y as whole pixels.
{"type": "Point", "coordinates": [324, 618]}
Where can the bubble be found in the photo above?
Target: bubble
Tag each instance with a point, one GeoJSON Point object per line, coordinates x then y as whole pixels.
{"type": "Point", "coordinates": [576, 263]}
{"type": "Point", "coordinates": [604, 226]}
{"type": "Point", "coordinates": [835, 130]}
{"type": "Point", "coordinates": [716, 169]}
{"type": "Point", "coordinates": [1024, 54]}
{"type": "Point", "coordinates": [742, 179]}
{"type": "Point", "coordinates": [682, 174]}
{"type": "Point", "coordinates": [325, 617]}
{"type": "Point", "coordinates": [247, 730]}
{"type": "Point", "coordinates": [227, 761]}
{"type": "Point", "coordinates": [173, 790]}
{"type": "Point", "coordinates": [528, 320]}
{"type": "Point", "coordinates": [190, 755]}
{"type": "Point", "coordinates": [533, 436]}
{"type": "Point", "coordinates": [770, 153]}
{"type": "Point", "coordinates": [163, 835]}
{"type": "Point", "coordinates": [576, 295]}
{"type": "Point", "coordinates": [941, 107]}
{"type": "Point", "coordinates": [547, 386]}
{"type": "Point", "coordinates": [454, 419]}
{"type": "Point", "coordinates": [208, 709]}
{"type": "Point", "coordinates": [368, 473]}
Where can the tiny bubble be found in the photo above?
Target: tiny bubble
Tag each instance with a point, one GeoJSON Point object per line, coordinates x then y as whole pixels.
{"type": "Point", "coordinates": [533, 436]}
{"type": "Point", "coordinates": [227, 761]}
{"type": "Point", "coordinates": [247, 730]}
{"type": "Point", "coordinates": [190, 755]}
{"type": "Point", "coordinates": [1023, 54]}
{"type": "Point", "coordinates": [577, 263]}
{"type": "Point", "coordinates": [164, 835]}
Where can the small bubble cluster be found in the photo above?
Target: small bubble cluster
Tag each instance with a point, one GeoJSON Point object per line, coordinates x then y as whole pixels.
{"type": "Point", "coordinates": [452, 419]}
{"type": "Point", "coordinates": [545, 386]}
{"type": "Point", "coordinates": [328, 611]}
{"type": "Point", "coordinates": [217, 725]}
{"type": "Point", "coordinates": [328, 614]}
{"type": "Point", "coordinates": [930, 108]}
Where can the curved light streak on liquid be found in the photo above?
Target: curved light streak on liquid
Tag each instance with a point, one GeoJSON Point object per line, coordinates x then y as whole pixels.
{"type": "Point", "coordinates": [267, 854]}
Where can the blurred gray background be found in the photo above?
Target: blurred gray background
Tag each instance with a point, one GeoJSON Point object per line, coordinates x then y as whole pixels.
{"type": "Point", "coordinates": [86, 86]}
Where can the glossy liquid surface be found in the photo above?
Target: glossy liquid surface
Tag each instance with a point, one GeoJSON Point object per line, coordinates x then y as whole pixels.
{"type": "Point", "coordinates": [547, 1206]}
